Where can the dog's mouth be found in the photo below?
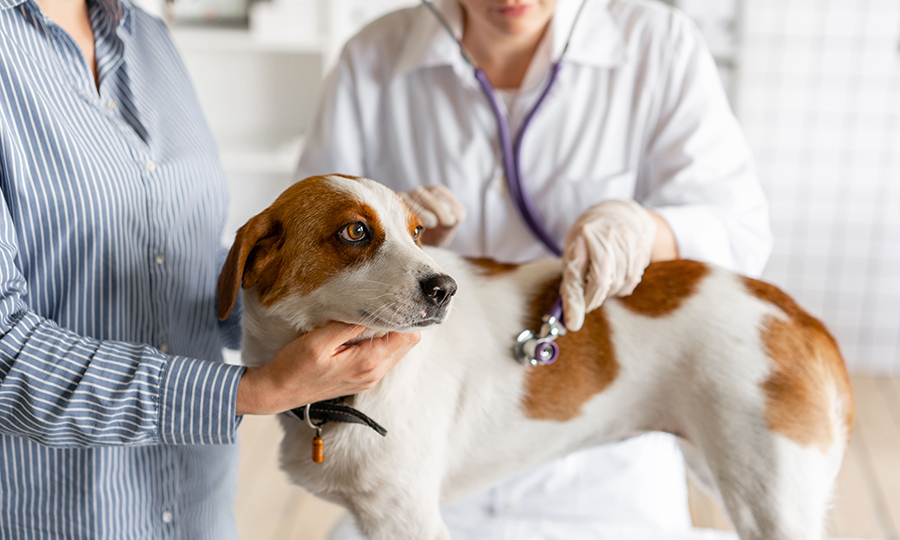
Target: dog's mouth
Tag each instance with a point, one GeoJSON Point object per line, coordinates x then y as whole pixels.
{"type": "Point", "coordinates": [408, 309]}
{"type": "Point", "coordinates": [423, 319]}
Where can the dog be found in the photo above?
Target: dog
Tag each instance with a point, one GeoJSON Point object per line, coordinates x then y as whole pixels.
{"type": "Point", "coordinates": [754, 387]}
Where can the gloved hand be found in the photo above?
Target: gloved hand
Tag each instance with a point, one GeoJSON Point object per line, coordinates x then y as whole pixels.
{"type": "Point", "coordinates": [606, 252]}
{"type": "Point", "coordinates": [440, 212]}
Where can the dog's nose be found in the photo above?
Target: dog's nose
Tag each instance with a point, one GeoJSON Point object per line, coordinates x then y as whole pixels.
{"type": "Point", "coordinates": [438, 288]}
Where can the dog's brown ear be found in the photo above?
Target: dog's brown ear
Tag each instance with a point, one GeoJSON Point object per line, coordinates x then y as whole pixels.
{"type": "Point", "coordinates": [250, 259]}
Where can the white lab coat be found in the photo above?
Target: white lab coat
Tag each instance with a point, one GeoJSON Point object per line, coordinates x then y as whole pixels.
{"type": "Point", "coordinates": [637, 112]}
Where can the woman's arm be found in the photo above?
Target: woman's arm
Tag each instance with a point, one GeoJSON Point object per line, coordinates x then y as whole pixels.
{"type": "Point", "coordinates": [62, 389]}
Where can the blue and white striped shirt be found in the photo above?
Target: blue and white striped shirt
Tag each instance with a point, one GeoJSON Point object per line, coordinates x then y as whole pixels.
{"type": "Point", "coordinates": [113, 204]}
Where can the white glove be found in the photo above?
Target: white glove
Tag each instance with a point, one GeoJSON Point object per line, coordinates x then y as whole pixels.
{"type": "Point", "coordinates": [440, 212]}
{"type": "Point", "coordinates": [606, 252]}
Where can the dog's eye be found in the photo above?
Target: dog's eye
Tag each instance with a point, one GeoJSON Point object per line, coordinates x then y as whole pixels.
{"type": "Point", "coordinates": [355, 232]}
{"type": "Point", "coordinates": [417, 232]}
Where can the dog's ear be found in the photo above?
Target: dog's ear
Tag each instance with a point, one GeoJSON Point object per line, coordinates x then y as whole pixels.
{"type": "Point", "coordinates": [250, 259]}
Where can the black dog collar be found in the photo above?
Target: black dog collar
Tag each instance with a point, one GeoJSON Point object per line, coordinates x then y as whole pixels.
{"type": "Point", "coordinates": [335, 410]}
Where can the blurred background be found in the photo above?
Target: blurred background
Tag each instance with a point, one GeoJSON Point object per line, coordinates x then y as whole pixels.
{"type": "Point", "coordinates": [816, 85]}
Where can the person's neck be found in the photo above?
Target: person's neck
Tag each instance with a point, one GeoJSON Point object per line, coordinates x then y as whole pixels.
{"type": "Point", "coordinates": [504, 59]}
{"type": "Point", "coordinates": [73, 17]}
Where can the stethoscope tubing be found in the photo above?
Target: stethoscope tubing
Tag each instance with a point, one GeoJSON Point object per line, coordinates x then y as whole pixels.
{"type": "Point", "coordinates": [511, 151]}
{"type": "Point", "coordinates": [511, 161]}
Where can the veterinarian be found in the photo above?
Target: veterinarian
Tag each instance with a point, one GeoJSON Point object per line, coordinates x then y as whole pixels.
{"type": "Point", "coordinates": [636, 112]}
{"type": "Point", "coordinates": [117, 415]}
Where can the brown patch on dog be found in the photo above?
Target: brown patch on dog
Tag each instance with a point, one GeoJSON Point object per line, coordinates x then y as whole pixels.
{"type": "Point", "coordinates": [294, 245]}
{"type": "Point", "coordinates": [413, 223]}
{"type": "Point", "coordinates": [490, 267]}
{"type": "Point", "coordinates": [586, 366]}
{"type": "Point", "coordinates": [808, 371]}
{"type": "Point", "coordinates": [665, 286]}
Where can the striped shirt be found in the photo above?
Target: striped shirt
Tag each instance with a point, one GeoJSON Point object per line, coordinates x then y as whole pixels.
{"type": "Point", "coordinates": [116, 411]}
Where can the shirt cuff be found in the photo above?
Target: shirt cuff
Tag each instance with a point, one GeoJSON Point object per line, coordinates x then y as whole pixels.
{"type": "Point", "coordinates": [699, 233]}
{"type": "Point", "coordinates": [197, 400]}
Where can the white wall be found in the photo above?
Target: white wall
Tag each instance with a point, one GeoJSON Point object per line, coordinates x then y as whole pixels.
{"type": "Point", "coordinates": [819, 98]}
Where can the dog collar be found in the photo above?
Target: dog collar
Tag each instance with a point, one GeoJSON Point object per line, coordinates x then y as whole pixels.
{"type": "Point", "coordinates": [334, 410]}
{"type": "Point", "coordinates": [320, 413]}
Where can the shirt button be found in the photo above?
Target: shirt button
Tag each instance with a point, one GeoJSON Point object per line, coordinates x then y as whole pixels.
{"type": "Point", "coordinates": [164, 348]}
{"type": "Point", "coordinates": [111, 105]}
{"type": "Point", "coordinates": [160, 258]}
{"type": "Point", "coordinates": [150, 166]}
{"type": "Point", "coordinates": [167, 517]}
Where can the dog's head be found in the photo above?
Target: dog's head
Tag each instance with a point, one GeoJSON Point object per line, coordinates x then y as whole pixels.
{"type": "Point", "coordinates": [337, 248]}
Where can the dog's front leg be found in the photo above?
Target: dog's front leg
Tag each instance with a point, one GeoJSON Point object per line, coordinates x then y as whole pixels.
{"type": "Point", "coordinates": [399, 512]}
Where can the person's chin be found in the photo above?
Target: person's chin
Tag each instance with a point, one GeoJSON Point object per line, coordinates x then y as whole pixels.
{"type": "Point", "coordinates": [529, 23]}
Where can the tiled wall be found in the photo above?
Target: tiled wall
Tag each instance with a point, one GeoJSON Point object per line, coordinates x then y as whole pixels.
{"type": "Point", "coordinates": [818, 94]}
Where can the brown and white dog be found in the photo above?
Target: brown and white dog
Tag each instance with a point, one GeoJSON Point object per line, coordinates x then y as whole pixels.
{"type": "Point", "coordinates": [755, 388]}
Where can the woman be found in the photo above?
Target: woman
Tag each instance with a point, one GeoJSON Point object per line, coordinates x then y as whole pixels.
{"type": "Point", "coordinates": [637, 113]}
{"type": "Point", "coordinates": [117, 415]}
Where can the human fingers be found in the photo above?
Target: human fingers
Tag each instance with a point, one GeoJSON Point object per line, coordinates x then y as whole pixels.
{"type": "Point", "coordinates": [332, 336]}
{"type": "Point", "coordinates": [634, 272]}
{"type": "Point", "coordinates": [428, 218]}
{"type": "Point", "coordinates": [636, 246]}
{"type": "Point", "coordinates": [433, 200]}
{"type": "Point", "coordinates": [572, 287]}
{"type": "Point", "coordinates": [375, 357]}
{"type": "Point", "coordinates": [455, 206]}
{"type": "Point", "coordinates": [389, 348]}
{"type": "Point", "coordinates": [599, 281]}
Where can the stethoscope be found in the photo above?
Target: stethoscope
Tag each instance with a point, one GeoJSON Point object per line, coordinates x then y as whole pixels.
{"type": "Point", "coordinates": [531, 349]}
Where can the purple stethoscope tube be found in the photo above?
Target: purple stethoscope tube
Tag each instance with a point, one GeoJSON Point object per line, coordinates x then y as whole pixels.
{"type": "Point", "coordinates": [543, 350]}
{"type": "Point", "coordinates": [523, 201]}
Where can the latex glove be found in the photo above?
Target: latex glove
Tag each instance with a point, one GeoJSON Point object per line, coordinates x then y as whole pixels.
{"type": "Point", "coordinates": [440, 212]}
{"type": "Point", "coordinates": [606, 252]}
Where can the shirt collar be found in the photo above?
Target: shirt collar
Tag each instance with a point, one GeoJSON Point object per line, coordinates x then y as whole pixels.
{"type": "Point", "coordinates": [597, 40]}
{"type": "Point", "coordinates": [428, 43]}
{"type": "Point", "coordinates": [8, 4]}
{"type": "Point", "coordinates": [120, 11]}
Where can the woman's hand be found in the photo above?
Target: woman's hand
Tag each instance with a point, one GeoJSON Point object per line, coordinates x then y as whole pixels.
{"type": "Point", "coordinates": [440, 212]}
{"type": "Point", "coordinates": [606, 253]}
{"type": "Point", "coordinates": [318, 366]}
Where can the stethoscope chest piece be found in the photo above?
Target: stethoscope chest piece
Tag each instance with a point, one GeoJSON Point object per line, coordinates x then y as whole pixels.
{"type": "Point", "coordinates": [541, 349]}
